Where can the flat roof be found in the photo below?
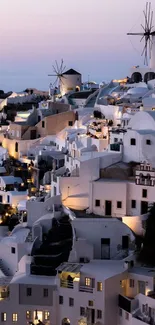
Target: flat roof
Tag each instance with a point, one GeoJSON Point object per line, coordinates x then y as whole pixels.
{"type": "Point", "coordinates": [23, 278]}
{"type": "Point", "coordinates": [143, 271]}
{"type": "Point", "coordinates": [103, 268]}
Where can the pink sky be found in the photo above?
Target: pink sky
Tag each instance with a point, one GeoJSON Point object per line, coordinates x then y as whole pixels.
{"type": "Point", "coordinates": [89, 34]}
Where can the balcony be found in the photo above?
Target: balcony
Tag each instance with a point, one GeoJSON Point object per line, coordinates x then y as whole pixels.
{"type": "Point", "coordinates": [85, 289]}
{"type": "Point", "coordinates": [66, 284]}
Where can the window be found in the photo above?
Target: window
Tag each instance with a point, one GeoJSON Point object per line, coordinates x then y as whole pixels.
{"type": "Point", "coordinates": [82, 311]}
{"type": "Point", "coordinates": [132, 142]}
{"type": "Point", "coordinates": [55, 191]}
{"type": "Point", "coordinates": [71, 302]}
{"type": "Point", "coordinates": [99, 286]}
{"type": "Point", "coordinates": [8, 198]}
{"type": "Point", "coordinates": [132, 283]}
{"type": "Point", "coordinates": [90, 303]}
{"type": "Point", "coordinates": [61, 300]}
{"type": "Point", "coordinates": [70, 123]}
{"type": "Point", "coordinates": [144, 193]}
{"type": "Point", "coordinates": [47, 315]}
{"type": "Point", "coordinates": [126, 316]}
{"type": "Point", "coordinates": [119, 205]}
{"type": "Point", "coordinates": [29, 292]}
{"type": "Point", "coordinates": [99, 314]}
{"type": "Point", "coordinates": [43, 124]}
{"type": "Point", "coordinates": [87, 282]}
{"type": "Point", "coordinates": [28, 314]}
{"type": "Point", "coordinates": [3, 317]}
{"type": "Point", "coordinates": [45, 292]}
{"type": "Point", "coordinates": [120, 312]}
{"type": "Point", "coordinates": [16, 147]}
{"type": "Point", "coordinates": [133, 204]}
{"type": "Point", "coordinates": [115, 140]}
{"type": "Point", "coordinates": [97, 203]}
{"type": "Point", "coordinates": [14, 317]}
{"type": "Point", "coordinates": [13, 250]}
{"type": "Point", "coordinates": [148, 142]}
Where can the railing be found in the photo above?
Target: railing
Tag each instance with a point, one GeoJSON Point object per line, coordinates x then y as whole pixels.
{"type": "Point", "coordinates": [66, 284]}
{"type": "Point", "coordinates": [85, 289]}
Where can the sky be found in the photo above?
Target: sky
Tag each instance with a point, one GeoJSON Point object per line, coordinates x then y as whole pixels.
{"type": "Point", "coordinates": [90, 35]}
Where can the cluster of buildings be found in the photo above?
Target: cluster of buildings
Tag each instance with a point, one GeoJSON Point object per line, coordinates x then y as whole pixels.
{"type": "Point", "coordinates": [79, 172]}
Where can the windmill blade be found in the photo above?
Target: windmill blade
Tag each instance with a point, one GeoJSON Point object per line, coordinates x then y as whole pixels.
{"type": "Point", "coordinates": [57, 67]}
{"type": "Point", "coordinates": [56, 72]}
{"type": "Point", "coordinates": [135, 34]}
{"type": "Point", "coordinates": [146, 21]}
{"type": "Point", "coordinates": [60, 79]}
{"type": "Point", "coordinates": [144, 48]}
{"type": "Point", "coordinates": [149, 14]}
{"type": "Point", "coordinates": [55, 81]}
{"type": "Point", "coordinates": [150, 47]}
{"type": "Point", "coordinates": [143, 27]}
{"type": "Point", "coordinates": [61, 66]}
{"type": "Point", "coordinates": [151, 21]}
{"type": "Point", "coordinates": [52, 75]}
{"type": "Point", "coordinates": [142, 38]}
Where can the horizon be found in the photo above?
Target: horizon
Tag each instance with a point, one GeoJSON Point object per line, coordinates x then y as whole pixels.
{"type": "Point", "coordinates": [90, 38]}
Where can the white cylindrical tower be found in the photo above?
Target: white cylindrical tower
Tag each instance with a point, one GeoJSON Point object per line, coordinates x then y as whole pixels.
{"type": "Point", "coordinates": [152, 61]}
{"type": "Point", "coordinates": [70, 81]}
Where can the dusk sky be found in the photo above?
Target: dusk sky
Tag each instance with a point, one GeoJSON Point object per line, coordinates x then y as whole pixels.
{"type": "Point", "coordinates": [90, 35]}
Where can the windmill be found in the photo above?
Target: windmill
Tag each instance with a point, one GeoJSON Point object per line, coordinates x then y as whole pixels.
{"type": "Point", "coordinates": [148, 35]}
{"type": "Point", "coordinates": [58, 74]}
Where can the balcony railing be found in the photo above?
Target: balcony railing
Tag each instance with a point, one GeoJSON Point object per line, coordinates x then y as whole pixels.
{"type": "Point", "coordinates": [86, 289]}
{"type": "Point", "coordinates": [66, 284]}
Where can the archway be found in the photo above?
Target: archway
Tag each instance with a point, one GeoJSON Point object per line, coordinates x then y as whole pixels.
{"type": "Point", "coordinates": [149, 76]}
{"type": "Point", "coordinates": [136, 77]}
{"type": "Point", "coordinates": [65, 321]}
{"type": "Point", "coordinates": [77, 88]}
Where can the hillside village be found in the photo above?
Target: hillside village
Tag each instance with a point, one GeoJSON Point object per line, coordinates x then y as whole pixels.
{"type": "Point", "coordinates": [77, 189]}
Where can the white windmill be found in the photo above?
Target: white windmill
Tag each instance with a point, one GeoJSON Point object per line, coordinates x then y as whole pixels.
{"type": "Point", "coordinates": [58, 74]}
{"type": "Point", "coordinates": [148, 35]}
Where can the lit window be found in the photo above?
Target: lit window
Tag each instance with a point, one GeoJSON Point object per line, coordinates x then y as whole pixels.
{"type": "Point", "coordinates": [132, 283]}
{"type": "Point", "coordinates": [99, 286]}
{"type": "Point", "coordinates": [47, 315]}
{"type": "Point", "coordinates": [14, 317]}
{"type": "Point", "coordinates": [28, 314]}
{"type": "Point", "coordinates": [3, 317]}
{"type": "Point", "coordinates": [87, 282]}
{"type": "Point", "coordinates": [90, 303]}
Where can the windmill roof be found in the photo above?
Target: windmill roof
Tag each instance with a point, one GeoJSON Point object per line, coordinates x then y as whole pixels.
{"type": "Point", "coordinates": [71, 72]}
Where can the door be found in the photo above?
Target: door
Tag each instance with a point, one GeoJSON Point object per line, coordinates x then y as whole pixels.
{"type": "Point", "coordinates": [125, 242]}
{"type": "Point", "coordinates": [1, 198]}
{"type": "Point", "coordinates": [144, 207]}
{"type": "Point", "coordinates": [108, 208]}
{"type": "Point", "coordinates": [105, 248]}
{"type": "Point", "coordinates": [33, 134]}
{"type": "Point", "coordinates": [141, 287]}
{"type": "Point", "coordinates": [90, 316]}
